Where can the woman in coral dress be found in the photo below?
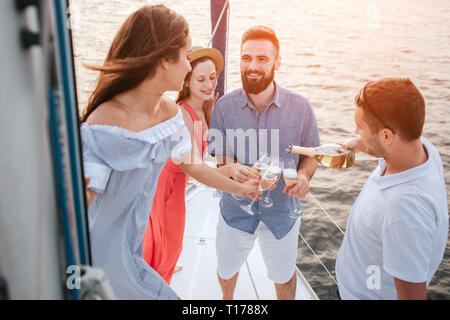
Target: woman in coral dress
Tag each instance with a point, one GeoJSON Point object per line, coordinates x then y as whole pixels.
{"type": "Point", "coordinates": [163, 240]}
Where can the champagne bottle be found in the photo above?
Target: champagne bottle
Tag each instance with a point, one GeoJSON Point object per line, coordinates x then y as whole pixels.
{"type": "Point", "coordinates": [327, 155]}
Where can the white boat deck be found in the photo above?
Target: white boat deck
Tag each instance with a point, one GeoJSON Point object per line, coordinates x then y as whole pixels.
{"type": "Point", "coordinates": [198, 278]}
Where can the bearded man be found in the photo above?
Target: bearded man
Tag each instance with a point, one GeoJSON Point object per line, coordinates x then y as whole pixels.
{"type": "Point", "coordinates": [261, 118]}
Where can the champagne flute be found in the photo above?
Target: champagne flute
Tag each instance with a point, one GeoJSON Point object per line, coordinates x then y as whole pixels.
{"type": "Point", "coordinates": [290, 178]}
{"type": "Point", "coordinates": [266, 181]}
{"type": "Point", "coordinates": [274, 168]}
{"type": "Point", "coordinates": [260, 165]}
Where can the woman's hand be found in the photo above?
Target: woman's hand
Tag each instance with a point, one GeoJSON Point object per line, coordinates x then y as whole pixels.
{"type": "Point", "coordinates": [241, 173]}
{"type": "Point", "coordinates": [208, 107]}
{"type": "Point", "coordinates": [90, 195]}
{"type": "Point", "coordinates": [250, 189]}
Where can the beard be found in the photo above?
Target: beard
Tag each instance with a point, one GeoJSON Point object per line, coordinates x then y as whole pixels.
{"type": "Point", "coordinates": [375, 148]}
{"type": "Point", "coordinates": [253, 86]}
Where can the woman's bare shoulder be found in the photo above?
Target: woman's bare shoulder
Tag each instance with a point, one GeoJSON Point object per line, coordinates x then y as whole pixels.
{"type": "Point", "coordinates": [169, 106]}
{"type": "Point", "coordinates": [187, 117]}
{"type": "Point", "coordinates": [109, 113]}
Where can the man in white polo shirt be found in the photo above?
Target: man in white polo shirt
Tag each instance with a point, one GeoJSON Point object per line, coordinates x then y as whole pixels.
{"type": "Point", "coordinates": [398, 227]}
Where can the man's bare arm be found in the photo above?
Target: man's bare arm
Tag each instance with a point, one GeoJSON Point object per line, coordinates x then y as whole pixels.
{"type": "Point", "coordinates": [410, 290]}
{"type": "Point", "coordinates": [308, 167]}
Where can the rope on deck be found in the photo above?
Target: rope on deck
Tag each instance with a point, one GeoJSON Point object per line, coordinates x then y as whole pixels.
{"type": "Point", "coordinates": [252, 281]}
{"type": "Point", "coordinates": [331, 276]}
{"type": "Point", "coordinates": [323, 209]}
{"type": "Point", "coordinates": [334, 222]}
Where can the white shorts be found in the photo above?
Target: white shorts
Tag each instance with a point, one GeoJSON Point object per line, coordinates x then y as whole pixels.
{"type": "Point", "coordinates": [233, 247]}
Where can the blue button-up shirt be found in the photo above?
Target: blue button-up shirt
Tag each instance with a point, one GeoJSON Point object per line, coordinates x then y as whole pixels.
{"type": "Point", "coordinates": [239, 131]}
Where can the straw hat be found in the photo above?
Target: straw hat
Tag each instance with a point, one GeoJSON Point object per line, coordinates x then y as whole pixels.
{"type": "Point", "coordinates": [214, 54]}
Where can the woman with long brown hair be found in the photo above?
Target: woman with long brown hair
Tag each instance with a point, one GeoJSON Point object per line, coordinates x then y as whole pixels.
{"type": "Point", "coordinates": [163, 238]}
{"type": "Point", "coordinates": [129, 131]}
